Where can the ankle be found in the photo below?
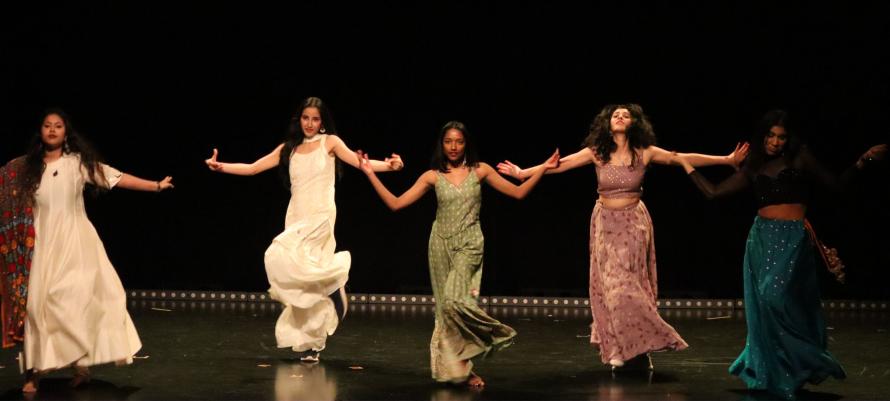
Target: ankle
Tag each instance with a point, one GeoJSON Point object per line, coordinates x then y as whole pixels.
{"type": "Point", "coordinates": [32, 380]}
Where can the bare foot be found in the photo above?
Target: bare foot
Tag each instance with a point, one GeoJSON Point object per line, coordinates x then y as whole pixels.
{"type": "Point", "coordinates": [32, 378]}
{"type": "Point", "coordinates": [475, 381]}
{"type": "Point", "coordinates": [29, 387]}
{"type": "Point", "coordinates": [81, 376]}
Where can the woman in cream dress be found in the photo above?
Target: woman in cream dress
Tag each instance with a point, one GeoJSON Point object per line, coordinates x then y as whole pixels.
{"type": "Point", "coordinates": [303, 269]}
{"type": "Point", "coordinates": [76, 306]}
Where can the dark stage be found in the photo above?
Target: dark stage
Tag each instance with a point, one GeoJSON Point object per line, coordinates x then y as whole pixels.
{"type": "Point", "coordinates": [212, 350]}
{"type": "Point", "coordinates": [157, 86]}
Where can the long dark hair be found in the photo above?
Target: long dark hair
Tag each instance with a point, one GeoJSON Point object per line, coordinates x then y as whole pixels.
{"type": "Point", "coordinates": [772, 118]}
{"type": "Point", "coordinates": [471, 157]}
{"type": "Point", "coordinates": [295, 135]}
{"type": "Point", "coordinates": [74, 143]}
{"type": "Point", "coordinates": [640, 134]}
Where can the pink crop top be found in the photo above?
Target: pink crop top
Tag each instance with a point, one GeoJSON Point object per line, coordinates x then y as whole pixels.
{"type": "Point", "coordinates": [620, 181]}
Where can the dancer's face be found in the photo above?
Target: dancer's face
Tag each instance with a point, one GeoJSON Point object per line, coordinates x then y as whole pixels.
{"type": "Point", "coordinates": [775, 140]}
{"type": "Point", "coordinates": [52, 132]}
{"type": "Point", "coordinates": [310, 121]}
{"type": "Point", "coordinates": [453, 144]}
{"type": "Point", "coordinates": [621, 119]}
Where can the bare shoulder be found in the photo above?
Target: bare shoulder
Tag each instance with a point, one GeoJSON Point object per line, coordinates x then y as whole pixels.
{"type": "Point", "coordinates": [649, 152]}
{"type": "Point", "coordinates": [484, 170]}
{"type": "Point", "coordinates": [332, 141]}
{"type": "Point", "coordinates": [429, 177]}
{"type": "Point", "coordinates": [590, 152]}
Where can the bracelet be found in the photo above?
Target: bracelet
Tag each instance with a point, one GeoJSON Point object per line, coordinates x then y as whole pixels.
{"type": "Point", "coordinates": [159, 186]}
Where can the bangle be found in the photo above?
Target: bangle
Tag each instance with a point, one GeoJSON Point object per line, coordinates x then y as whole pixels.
{"type": "Point", "coordinates": [159, 186]}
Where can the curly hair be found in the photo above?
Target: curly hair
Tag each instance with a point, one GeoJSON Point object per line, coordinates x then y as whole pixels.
{"type": "Point", "coordinates": [439, 161]}
{"type": "Point", "coordinates": [640, 134]}
{"type": "Point", "coordinates": [74, 144]}
{"type": "Point", "coordinates": [295, 136]}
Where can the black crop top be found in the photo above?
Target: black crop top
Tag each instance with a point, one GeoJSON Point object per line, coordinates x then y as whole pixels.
{"type": "Point", "coordinates": [777, 181]}
{"type": "Point", "coordinates": [789, 186]}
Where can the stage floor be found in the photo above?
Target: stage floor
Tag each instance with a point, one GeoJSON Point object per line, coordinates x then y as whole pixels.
{"type": "Point", "coordinates": [226, 351]}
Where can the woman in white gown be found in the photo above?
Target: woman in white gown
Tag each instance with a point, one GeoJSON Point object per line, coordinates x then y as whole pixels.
{"type": "Point", "coordinates": [76, 306]}
{"type": "Point", "coordinates": [301, 265]}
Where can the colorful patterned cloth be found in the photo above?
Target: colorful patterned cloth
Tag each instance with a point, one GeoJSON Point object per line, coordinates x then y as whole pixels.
{"type": "Point", "coordinates": [16, 249]}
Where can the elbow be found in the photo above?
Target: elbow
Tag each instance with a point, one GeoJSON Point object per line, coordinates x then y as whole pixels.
{"type": "Point", "coordinates": [519, 195]}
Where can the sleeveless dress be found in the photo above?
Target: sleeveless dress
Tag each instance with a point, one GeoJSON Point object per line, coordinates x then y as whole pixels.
{"type": "Point", "coordinates": [463, 330]}
{"type": "Point", "coordinates": [301, 264]}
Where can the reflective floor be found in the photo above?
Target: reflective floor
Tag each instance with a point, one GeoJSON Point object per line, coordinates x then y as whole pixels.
{"type": "Point", "coordinates": [226, 351]}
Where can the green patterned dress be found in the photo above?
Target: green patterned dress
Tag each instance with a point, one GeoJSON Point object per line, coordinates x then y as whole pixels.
{"type": "Point", "coordinates": [463, 330]}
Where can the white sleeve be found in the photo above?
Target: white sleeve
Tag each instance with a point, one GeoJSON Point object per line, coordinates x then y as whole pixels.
{"type": "Point", "coordinates": [111, 174]}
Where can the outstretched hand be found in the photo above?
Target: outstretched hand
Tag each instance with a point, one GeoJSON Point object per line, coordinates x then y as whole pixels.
{"type": "Point", "coordinates": [363, 163]}
{"type": "Point", "coordinates": [394, 161]}
{"type": "Point", "coordinates": [166, 183]}
{"type": "Point", "coordinates": [739, 154]}
{"type": "Point", "coordinates": [877, 152]}
{"type": "Point", "coordinates": [212, 163]}
{"type": "Point", "coordinates": [509, 169]}
{"type": "Point", "coordinates": [553, 161]}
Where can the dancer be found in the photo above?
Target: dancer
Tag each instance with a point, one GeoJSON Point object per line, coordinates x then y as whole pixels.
{"type": "Point", "coordinates": [301, 264]}
{"type": "Point", "coordinates": [76, 306]}
{"type": "Point", "coordinates": [623, 281]}
{"type": "Point", "coordinates": [462, 330]}
{"type": "Point", "coordinates": [786, 344]}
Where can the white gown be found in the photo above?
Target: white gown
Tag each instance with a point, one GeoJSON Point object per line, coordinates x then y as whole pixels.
{"type": "Point", "coordinates": [300, 263]}
{"type": "Point", "coordinates": [77, 310]}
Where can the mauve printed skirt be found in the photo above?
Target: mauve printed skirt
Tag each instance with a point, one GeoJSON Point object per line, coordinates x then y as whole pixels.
{"type": "Point", "coordinates": [623, 285]}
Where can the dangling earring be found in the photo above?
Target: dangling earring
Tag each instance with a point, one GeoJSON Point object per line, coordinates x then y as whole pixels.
{"type": "Point", "coordinates": [322, 130]}
{"type": "Point", "coordinates": [65, 147]}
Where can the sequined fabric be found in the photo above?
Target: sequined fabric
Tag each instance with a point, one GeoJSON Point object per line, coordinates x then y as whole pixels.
{"type": "Point", "coordinates": [786, 344]}
{"type": "Point", "coordinates": [614, 181]}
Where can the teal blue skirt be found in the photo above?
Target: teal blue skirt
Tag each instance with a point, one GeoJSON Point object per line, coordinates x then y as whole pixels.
{"type": "Point", "coordinates": [786, 344]}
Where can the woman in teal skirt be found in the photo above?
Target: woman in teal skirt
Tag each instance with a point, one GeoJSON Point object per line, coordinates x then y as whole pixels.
{"type": "Point", "coordinates": [462, 331]}
{"type": "Point", "coordinates": [786, 344]}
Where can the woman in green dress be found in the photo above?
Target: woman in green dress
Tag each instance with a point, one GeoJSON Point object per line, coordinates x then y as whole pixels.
{"type": "Point", "coordinates": [463, 330]}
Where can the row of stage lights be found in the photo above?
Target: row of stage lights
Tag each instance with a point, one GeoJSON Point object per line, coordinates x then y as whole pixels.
{"type": "Point", "coordinates": [229, 296]}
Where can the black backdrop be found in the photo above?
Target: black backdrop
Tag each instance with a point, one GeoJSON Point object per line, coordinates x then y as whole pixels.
{"type": "Point", "coordinates": [155, 86]}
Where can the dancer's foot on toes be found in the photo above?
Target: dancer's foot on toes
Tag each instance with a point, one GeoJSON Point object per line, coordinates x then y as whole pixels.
{"type": "Point", "coordinates": [475, 381]}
